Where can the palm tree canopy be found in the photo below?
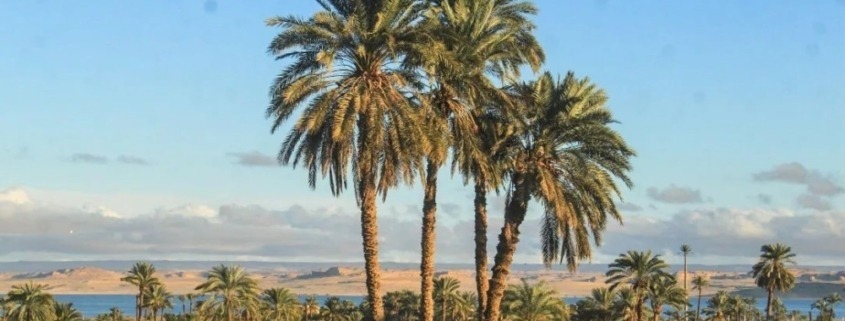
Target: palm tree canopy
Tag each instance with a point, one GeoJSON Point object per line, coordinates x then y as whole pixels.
{"type": "Point", "coordinates": [567, 154]}
{"type": "Point", "coordinates": [686, 249]}
{"type": "Point", "coordinates": [66, 312]}
{"type": "Point", "coordinates": [665, 290]}
{"type": "Point", "coordinates": [529, 302]}
{"type": "Point", "coordinates": [142, 274]}
{"type": "Point", "coordinates": [770, 271]}
{"type": "Point", "coordinates": [700, 282]}
{"type": "Point", "coordinates": [637, 269]}
{"type": "Point", "coordinates": [30, 302]}
{"type": "Point", "coordinates": [359, 104]}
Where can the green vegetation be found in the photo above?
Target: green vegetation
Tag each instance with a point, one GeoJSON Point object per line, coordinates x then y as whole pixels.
{"type": "Point", "coordinates": [771, 273]}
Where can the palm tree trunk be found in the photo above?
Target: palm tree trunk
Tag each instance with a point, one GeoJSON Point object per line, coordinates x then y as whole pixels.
{"type": "Point", "coordinates": [427, 243]}
{"type": "Point", "coordinates": [640, 302]}
{"type": "Point", "coordinates": [369, 233]}
{"type": "Point", "coordinates": [698, 307]}
{"type": "Point", "coordinates": [508, 239]}
{"type": "Point", "coordinates": [444, 309]}
{"type": "Point", "coordinates": [138, 306]}
{"type": "Point", "coordinates": [686, 294]}
{"type": "Point", "coordinates": [769, 305]}
{"type": "Point", "coordinates": [656, 309]}
{"type": "Point", "coordinates": [481, 245]}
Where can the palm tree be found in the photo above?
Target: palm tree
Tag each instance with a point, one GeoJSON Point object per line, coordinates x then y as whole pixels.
{"type": "Point", "coordinates": [770, 272]}
{"type": "Point", "coordinates": [401, 306]}
{"type": "Point", "coordinates": [699, 282]}
{"type": "Point", "coordinates": [686, 250]}
{"type": "Point", "coordinates": [142, 275]}
{"type": "Point", "coordinates": [599, 306]}
{"type": "Point", "coordinates": [446, 296]}
{"type": "Point", "coordinates": [625, 304]}
{"type": "Point", "coordinates": [639, 270]}
{"type": "Point", "coordinates": [115, 314]}
{"type": "Point", "coordinates": [564, 154]}
{"type": "Point", "coordinates": [190, 297]}
{"type": "Point", "coordinates": [30, 302]}
{"type": "Point", "coordinates": [717, 306]}
{"type": "Point", "coordinates": [665, 290]}
{"type": "Point", "coordinates": [157, 299]}
{"type": "Point", "coordinates": [280, 305]}
{"type": "Point", "coordinates": [232, 285]}
{"type": "Point", "coordinates": [182, 298]}
{"type": "Point", "coordinates": [360, 105]}
{"type": "Point", "coordinates": [310, 308]}
{"type": "Point", "coordinates": [332, 310]}
{"type": "Point", "coordinates": [475, 40]}
{"type": "Point", "coordinates": [527, 302]}
{"type": "Point", "coordinates": [66, 312]}
{"type": "Point", "coordinates": [464, 309]}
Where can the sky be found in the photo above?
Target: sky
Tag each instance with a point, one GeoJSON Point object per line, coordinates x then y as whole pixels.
{"type": "Point", "coordinates": [136, 130]}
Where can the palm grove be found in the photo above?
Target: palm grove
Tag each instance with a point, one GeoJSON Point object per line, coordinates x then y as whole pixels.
{"type": "Point", "coordinates": [639, 288]}
{"type": "Point", "coordinates": [387, 91]}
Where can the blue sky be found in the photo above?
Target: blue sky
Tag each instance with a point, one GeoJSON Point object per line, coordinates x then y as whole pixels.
{"type": "Point", "coordinates": [141, 108]}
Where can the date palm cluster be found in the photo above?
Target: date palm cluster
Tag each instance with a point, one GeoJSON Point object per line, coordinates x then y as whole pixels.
{"type": "Point", "coordinates": [374, 94]}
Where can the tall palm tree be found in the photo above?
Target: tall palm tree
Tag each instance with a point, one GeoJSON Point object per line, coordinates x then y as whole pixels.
{"type": "Point", "coordinates": [665, 291]}
{"type": "Point", "coordinates": [686, 250]}
{"type": "Point", "coordinates": [564, 154]}
{"type": "Point", "coordinates": [232, 285]}
{"type": "Point", "coordinates": [476, 40]}
{"type": "Point", "coordinates": [532, 302]}
{"type": "Point", "coordinates": [157, 299]}
{"type": "Point", "coordinates": [638, 270]}
{"type": "Point", "coordinates": [359, 105]}
{"type": "Point", "coordinates": [66, 312]}
{"type": "Point", "coordinates": [770, 271]}
{"type": "Point", "coordinates": [142, 275]}
{"type": "Point", "coordinates": [446, 296]}
{"type": "Point", "coordinates": [30, 302]}
{"type": "Point", "coordinates": [280, 305]}
{"type": "Point", "coordinates": [699, 282]}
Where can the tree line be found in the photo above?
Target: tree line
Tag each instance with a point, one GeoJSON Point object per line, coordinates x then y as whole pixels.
{"type": "Point", "coordinates": [639, 288]}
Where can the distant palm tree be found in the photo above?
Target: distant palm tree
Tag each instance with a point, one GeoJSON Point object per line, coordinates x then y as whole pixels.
{"type": "Point", "coordinates": [770, 271]}
{"type": "Point", "coordinates": [115, 314]}
{"type": "Point", "coordinates": [527, 302]}
{"type": "Point", "coordinates": [232, 285]}
{"type": "Point", "coordinates": [637, 270]}
{"type": "Point", "coordinates": [599, 306]}
{"type": "Point", "coordinates": [446, 296]}
{"type": "Point", "coordinates": [182, 298]}
{"type": "Point", "coordinates": [401, 306]}
{"type": "Point", "coordinates": [30, 302]}
{"type": "Point", "coordinates": [190, 297]}
{"type": "Point", "coordinates": [699, 282]}
{"type": "Point", "coordinates": [66, 312]}
{"type": "Point", "coordinates": [686, 250]}
{"type": "Point", "coordinates": [142, 275]}
{"type": "Point", "coordinates": [333, 310]}
{"type": "Point", "coordinates": [157, 299]}
{"type": "Point", "coordinates": [280, 304]}
{"type": "Point", "coordinates": [718, 306]}
{"type": "Point", "coordinates": [665, 291]}
{"type": "Point", "coordinates": [310, 308]}
{"type": "Point", "coordinates": [360, 116]}
{"type": "Point", "coordinates": [564, 154]}
{"type": "Point", "coordinates": [625, 304]}
{"type": "Point", "coordinates": [464, 309]}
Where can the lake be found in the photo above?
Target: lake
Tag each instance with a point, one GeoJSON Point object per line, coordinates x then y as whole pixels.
{"type": "Point", "coordinates": [91, 305]}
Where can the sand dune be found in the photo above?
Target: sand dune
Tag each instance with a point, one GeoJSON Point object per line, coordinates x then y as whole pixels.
{"type": "Point", "coordinates": [350, 281]}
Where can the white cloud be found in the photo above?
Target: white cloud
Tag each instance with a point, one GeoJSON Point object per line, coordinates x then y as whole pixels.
{"type": "Point", "coordinates": [675, 195]}
{"type": "Point", "coordinates": [15, 196]}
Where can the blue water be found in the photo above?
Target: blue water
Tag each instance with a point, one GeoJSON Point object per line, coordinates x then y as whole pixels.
{"type": "Point", "coordinates": [91, 305]}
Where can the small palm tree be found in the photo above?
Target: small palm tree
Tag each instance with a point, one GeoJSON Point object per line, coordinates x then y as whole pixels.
{"type": "Point", "coordinates": [280, 304]}
{"type": "Point", "coordinates": [232, 285]}
{"type": "Point", "coordinates": [30, 302]}
{"type": "Point", "coordinates": [310, 308]}
{"type": "Point", "coordinates": [66, 312]}
{"type": "Point", "coordinates": [332, 310]}
{"type": "Point", "coordinates": [564, 154]}
{"type": "Point", "coordinates": [665, 291]}
{"type": "Point", "coordinates": [637, 270]}
{"type": "Point", "coordinates": [527, 302]}
{"type": "Point", "coordinates": [625, 304]}
{"type": "Point", "coordinates": [770, 271]}
{"type": "Point", "coordinates": [360, 105]}
{"type": "Point", "coordinates": [142, 275]}
{"type": "Point", "coordinates": [686, 250]}
{"type": "Point", "coordinates": [718, 306]}
{"type": "Point", "coordinates": [446, 296]}
{"type": "Point", "coordinates": [598, 306]}
{"type": "Point", "coordinates": [699, 282]}
{"type": "Point", "coordinates": [157, 299]}
{"type": "Point", "coordinates": [115, 314]}
{"type": "Point", "coordinates": [401, 305]}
